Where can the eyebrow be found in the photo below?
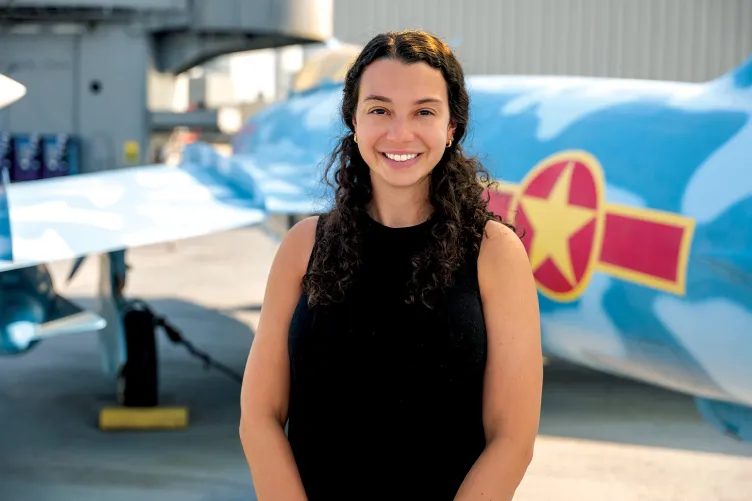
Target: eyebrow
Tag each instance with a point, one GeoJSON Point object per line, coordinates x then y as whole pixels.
{"type": "Point", "coordinates": [374, 97]}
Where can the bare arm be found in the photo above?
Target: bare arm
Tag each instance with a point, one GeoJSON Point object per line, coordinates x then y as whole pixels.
{"type": "Point", "coordinates": [265, 391]}
{"type": "Point", "coordinates": [514, 370]}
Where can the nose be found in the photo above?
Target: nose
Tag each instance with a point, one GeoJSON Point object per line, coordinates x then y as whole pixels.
{"type": "Point", "coordinates": [400, 131]}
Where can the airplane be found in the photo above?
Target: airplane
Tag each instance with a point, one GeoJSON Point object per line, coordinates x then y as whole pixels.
{"type": "Point", "coordinates": [103, 214]}
{"type": "Point", "coordinates": [627, 192]}
{"type": "Point", "coordinates": [634, 198]}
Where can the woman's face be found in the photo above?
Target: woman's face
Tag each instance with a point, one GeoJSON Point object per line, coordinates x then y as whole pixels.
{"type": "Point", "coordinates": [402, 121]}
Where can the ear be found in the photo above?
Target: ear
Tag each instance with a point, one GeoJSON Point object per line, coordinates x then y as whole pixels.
{"type": "Point", "coordinates": [450, 131]}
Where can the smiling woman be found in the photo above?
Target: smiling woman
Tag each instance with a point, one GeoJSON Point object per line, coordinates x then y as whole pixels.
{"type": "Point", "coordinates": [402, 120]}
{"type": "Point", "coordinates": [399, 338]}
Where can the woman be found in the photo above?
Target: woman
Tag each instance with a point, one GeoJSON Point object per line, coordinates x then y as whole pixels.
{"type": "Point", "coordinates": [400, 330]}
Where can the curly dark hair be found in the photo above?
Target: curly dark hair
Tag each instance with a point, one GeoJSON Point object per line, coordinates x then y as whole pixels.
{"type": "Point", "coordinates": [456, 191]}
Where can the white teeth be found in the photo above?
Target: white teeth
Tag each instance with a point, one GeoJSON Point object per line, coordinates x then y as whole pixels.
{"type": "Point", "coordinates": [401, 158]}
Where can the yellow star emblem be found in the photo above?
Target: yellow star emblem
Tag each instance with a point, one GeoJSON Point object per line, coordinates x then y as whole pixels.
{"type": "Point", "coordinates": [554, 221]}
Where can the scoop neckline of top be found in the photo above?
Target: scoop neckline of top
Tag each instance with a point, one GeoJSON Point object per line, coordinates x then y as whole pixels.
{"type": "Point", "coordinates": [414, 227]}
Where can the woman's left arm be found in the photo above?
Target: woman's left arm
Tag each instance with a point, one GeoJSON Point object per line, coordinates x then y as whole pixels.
{"type": "Point", "coordinates": [514, 368]}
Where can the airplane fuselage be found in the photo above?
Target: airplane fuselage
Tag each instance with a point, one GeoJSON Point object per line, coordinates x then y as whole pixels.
{"type": "Point", "coordinates": [636, 202]}
{"type": "Point", "coordinates": [641, 196]}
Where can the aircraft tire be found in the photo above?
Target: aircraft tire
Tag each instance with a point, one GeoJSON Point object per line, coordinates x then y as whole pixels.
{"type": "Point", "coordinates": [137, 382]}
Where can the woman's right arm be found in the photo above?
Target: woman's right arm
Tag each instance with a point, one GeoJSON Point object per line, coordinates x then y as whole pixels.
{"type": "Point", "coordinates": [266, 382]}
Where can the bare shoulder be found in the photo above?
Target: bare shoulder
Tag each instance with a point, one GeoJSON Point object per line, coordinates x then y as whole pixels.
{"type": "Point", "coordinates": [504, 271]}
{"type": "Point", "coordinates": [304, 231]}
{"type": "Point", "coordinates": [501, 246]}
{"type": "Point", "coordinates": [295, 250]}
{"type": "Point", "coordinates": [305, 226]}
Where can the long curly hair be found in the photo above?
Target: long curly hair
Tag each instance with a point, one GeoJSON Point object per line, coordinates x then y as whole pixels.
{"type": "Point", "coordinates": [456, 185]}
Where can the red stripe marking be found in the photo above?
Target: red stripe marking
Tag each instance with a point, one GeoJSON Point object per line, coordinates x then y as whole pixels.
{"type": "Point", "coordinates": [647, 247]}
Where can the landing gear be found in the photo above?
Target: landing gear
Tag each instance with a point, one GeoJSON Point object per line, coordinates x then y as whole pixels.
{"type": "Point", "coordinates": [129, 349]}
{"type": "Point", "coordinates": [137, 380]}
{"type": "Point", "coordinates": [137, 387]}
{"type": "Point", "coordinates": [129, 346]}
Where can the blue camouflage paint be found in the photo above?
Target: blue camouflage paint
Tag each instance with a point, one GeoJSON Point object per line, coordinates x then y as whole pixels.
{"type": "Point", "coordinates": [677, 147]}
{"type": "Point", "coordinates": [68, 217]}
{"type": "Point", "coordinates": [681, 148]}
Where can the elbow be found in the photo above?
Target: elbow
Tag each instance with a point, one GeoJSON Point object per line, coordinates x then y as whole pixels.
{"type": "Point", "coordinates": [249, 424]}
{"type": "Point", "coordinates": [244, 428]}
{"type": "Point", "coordinates": [527, 451]}
{"type": "Point", "coordinates": [523, 451]}
{"type": "Point", "coordinates": [516, 443]}
{"type": "Point", "coordinates": [251, 431]}
{"type": "Point", "coordinates": [254, 423]}
{"type": "Point", "coordinates": [249, 419]}
{"type": "Point", "coordinates": [520, 451]}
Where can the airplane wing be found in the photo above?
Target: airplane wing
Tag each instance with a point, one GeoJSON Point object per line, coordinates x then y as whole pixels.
{"type": "Point", "coordinates": [68, 217]}
{"type": "Point", "coordinates": [284, 182]}
{"type": "Point", "coordinates": [288, 188]}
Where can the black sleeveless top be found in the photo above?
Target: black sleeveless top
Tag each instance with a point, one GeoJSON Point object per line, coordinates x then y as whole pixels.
{"type": "Point", "coordinates": [386, 397]}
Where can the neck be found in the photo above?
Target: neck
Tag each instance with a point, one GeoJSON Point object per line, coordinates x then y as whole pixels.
{"type": "Point", "coordinates": [400, 208]}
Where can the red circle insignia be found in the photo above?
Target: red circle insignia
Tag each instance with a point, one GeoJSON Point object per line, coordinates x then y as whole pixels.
{"type": "Point", "coordinates": [559, 206]}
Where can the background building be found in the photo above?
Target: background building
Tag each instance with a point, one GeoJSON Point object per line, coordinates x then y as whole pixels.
{"type": "Point", "coordinates": [686, 40]}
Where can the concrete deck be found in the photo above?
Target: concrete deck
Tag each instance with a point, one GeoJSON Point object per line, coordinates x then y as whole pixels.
{"type": "Point", "coordinates": [601, 438]}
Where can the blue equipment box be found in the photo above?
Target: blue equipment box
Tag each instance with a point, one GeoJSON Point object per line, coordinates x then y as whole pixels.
{"type": "Point", "coordinates": [6, 156]}
{"type": "Point", "coordinates": [27, 157]}
{"type": "Point", "coordinates": [61, 154]}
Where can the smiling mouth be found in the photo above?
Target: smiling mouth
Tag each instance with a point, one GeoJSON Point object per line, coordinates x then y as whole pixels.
{"type": "Point", "coordinates": [401, 158]}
